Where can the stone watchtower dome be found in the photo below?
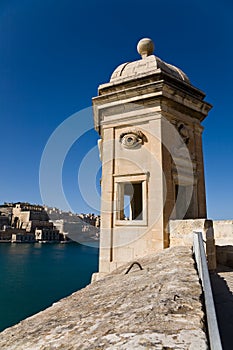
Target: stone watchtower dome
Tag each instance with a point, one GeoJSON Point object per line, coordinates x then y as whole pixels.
{"type": "Point", "coordinates": [149, 120]}
{"type": "Point", "coordinates": [147, 65]}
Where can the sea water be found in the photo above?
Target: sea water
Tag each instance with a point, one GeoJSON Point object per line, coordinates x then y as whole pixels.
{"type": "Point", "coordinates": [33, 276]}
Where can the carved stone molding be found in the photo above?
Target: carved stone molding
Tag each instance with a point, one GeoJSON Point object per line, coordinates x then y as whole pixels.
{"type": "Point", "coordinates": [183, 131]}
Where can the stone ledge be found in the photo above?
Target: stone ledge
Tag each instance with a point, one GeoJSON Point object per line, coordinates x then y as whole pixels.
{"type": "Point", "coordinates": [154, 308]}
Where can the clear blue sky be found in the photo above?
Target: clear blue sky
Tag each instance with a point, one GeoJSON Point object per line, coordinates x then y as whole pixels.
{"type": "Point", "coordinates": [55, 53]}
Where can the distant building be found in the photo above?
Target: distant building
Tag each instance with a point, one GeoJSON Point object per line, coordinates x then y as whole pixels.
{"type": "Point", "coordinates": [32, 224]}
{"type": "Point", "coordinates": [27, 216]}
{"type": "Point", "coordinates": [47, 234]}
{"type": "Point", "coordinates": [4, 221]}
{"type": "Point", "coordinates": [5, 214]}
{"type": "Point", "coordinates": [9, 234]}
{"type": "Point", "coordinates": [5, 235]}
{"type": "Point", "coordinates": [22, 237]}
{"type": "Point", "coordinates": [78, 227]}
{"type": "Point", "coordinates": [91, 219]}
{"type": "Point", "coordinates": [6, 209]}
{"type": "Point", "coordinates": [25, 222]}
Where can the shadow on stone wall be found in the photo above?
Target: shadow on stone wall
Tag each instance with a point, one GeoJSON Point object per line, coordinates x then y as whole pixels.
{"type": "Point", "coordinates": [223, 299]}
{"type": "Point", "coordinates": [224, 255]}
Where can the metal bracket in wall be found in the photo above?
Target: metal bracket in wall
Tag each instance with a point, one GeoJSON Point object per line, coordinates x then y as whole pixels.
{"type": "Point", "coordinates": [134, 263]}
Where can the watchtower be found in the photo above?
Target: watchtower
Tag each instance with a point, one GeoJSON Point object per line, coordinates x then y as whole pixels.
{"type": "Point", "coordinates": [149, 119]}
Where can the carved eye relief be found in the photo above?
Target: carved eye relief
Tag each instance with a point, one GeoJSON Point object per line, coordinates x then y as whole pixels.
{"type": "Point", "coordinates": [131, 139]}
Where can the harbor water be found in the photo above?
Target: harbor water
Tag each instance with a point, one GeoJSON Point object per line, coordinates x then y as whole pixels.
{"type": "Point", "coordinates": [33, 276]}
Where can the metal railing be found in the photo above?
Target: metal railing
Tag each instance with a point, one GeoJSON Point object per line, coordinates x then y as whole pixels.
{"type": "Point", "coordinates": [200, 257]}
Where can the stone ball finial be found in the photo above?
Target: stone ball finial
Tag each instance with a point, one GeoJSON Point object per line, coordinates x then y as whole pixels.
{"type": "Point", "coordinates": [145, 47]}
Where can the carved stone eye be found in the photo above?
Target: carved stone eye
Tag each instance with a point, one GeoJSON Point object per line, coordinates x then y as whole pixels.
{"type": "Point", "coordinates": [131, 139]}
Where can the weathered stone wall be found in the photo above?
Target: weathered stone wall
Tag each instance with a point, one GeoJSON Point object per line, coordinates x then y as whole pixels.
{"type": "Point", "coordinates": [223, 232]}
{"type": "Point", "coordinates": [181, 233]}
{"type": "Point", "coordinates": [156, 308]}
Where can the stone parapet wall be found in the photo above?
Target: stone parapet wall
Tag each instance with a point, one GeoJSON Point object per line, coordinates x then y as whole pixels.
{"type": "Point", "coordinates": [181, 231]}
{"type": "Point", "coordinates": [181, 234]}
{"type": "Point", "coordinates": [157, 307]}
{"type": "Point", "coordinates": [224, 255]}
{"type": "Point", "coordinates": [223, 232]}
{"type": "Point", "coordinates": [219, 239]}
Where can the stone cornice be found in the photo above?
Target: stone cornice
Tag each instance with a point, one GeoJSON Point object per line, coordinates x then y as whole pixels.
{"type": "Point", "coordinates": [158, 90]}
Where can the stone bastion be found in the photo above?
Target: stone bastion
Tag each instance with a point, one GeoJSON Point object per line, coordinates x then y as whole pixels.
{"type": "Point", "coordinates": [159, 307]}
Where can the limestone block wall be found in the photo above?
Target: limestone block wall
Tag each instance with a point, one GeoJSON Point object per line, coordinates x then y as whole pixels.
{"type": "Point", "coordinates": [181, 231]}
{"type": "Point", "coordinates": [218, 238]}
{"type": "Point", "coordinates": [223, 232]}
{"type": "Point", "coordinates": [181, 234]}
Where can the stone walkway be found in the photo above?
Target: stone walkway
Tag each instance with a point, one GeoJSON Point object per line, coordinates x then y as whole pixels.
{"type": "Point", "coordinates": [222, 286]}
{"type": "Point", "coordinates": [157, 308]}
